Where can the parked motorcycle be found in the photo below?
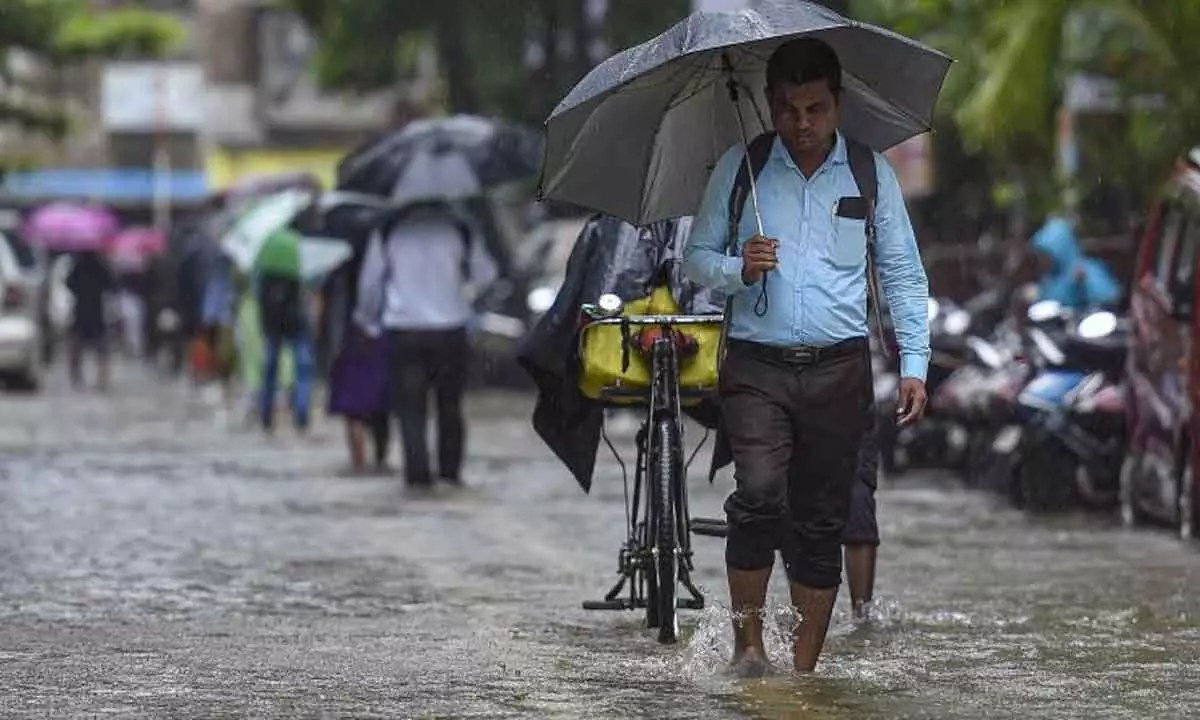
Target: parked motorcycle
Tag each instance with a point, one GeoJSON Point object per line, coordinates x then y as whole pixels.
{"type": "Point", "coordinates": [1072, 414]}
{"type": "Point", "coordinates": [941, 439]}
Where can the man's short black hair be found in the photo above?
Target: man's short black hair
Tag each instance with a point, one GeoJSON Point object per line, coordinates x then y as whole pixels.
{"type": "Point", "coordinates": [802, 61]}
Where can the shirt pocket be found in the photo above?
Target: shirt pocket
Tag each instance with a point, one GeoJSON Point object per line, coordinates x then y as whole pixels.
{"type": "Point", "coordinates": [849, 242]}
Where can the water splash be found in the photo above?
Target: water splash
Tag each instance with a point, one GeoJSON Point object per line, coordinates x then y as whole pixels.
{"type": "Point", "coordinates": [710, 647]}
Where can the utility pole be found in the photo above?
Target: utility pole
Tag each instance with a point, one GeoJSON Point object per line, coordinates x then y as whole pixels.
{"type": "Point", "coordinates": [162, 154]}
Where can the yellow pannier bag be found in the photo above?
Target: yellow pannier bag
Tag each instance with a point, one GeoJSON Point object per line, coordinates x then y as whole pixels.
{"type": "Point", "coordinates": [602, 351]}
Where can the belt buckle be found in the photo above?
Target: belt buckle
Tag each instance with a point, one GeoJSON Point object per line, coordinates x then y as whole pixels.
{"type": "Point", "coordinates": [802, 355]}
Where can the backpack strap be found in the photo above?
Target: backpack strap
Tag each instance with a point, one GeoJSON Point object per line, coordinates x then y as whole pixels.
{"type": "Point", "coordinates": [862, 166]}
{"type": "Point", "coordinates": [758, 151]}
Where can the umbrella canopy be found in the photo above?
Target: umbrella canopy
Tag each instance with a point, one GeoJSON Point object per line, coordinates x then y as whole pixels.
{"type": "Point", "coordinates": [639, 135]}
{"type": "Point", "coordinates": [68, 226]}
{"type": "Point", "coordinates": [131, 248]}
{"type": "Point", "coordinates": [140, 240]}
{"type": "Point", "coordinates": [260, 239]}
{"type": "Point", "coordinates": [495, 152]}
{"type": "Point", "coordinates": [244, 240]}
{"type": "Point", "coordinates": [290, 254]}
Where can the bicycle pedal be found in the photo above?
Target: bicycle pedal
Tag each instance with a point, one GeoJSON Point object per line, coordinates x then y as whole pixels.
{"type": "Point", "coordinates": [621, 604]}
{"type": "Point", "coordinates": [709, 527]}
{"type": "Point", "coordinates": [690, 604]}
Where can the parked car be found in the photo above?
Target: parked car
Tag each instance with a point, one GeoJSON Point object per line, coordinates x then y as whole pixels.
{"type": "Point", "coordinates": [1157, 483]}
{"type": "Point", "coordinates": [20, 329]}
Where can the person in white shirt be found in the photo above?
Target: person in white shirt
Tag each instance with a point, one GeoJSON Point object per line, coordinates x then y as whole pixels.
{"type": "Point", "coordinates": [414, 286]}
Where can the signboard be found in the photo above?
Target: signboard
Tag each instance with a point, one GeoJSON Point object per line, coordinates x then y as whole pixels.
{"type": "Point", "coordinates": [150, 96]}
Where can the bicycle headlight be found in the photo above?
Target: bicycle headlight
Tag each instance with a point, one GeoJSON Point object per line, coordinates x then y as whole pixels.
{"type": "Point", "coordinates": [610, 304]}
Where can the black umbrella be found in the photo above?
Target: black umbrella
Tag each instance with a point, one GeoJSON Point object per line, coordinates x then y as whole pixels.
{"type": "Point", "coordinates": [638, 136]}
{"type": "Point", "coordinates": [496, 152]}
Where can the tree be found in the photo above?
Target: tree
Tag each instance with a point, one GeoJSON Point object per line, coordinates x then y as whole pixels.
{"type": "Point", "coordinates": [61, 32]}
{"type": "Point", "coordinates": [1033, 46]}
{"type": "Point", "coordinates": [505, 57]}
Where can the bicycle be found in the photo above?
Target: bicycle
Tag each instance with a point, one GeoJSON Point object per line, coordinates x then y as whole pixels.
{"type": "Point", "coordinates": [656, 558]}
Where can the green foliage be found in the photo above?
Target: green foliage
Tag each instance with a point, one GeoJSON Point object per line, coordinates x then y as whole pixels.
{"type": "Point", "coordinates": [120, 33]}
{"type": "Point", "coordinates": [62, 31]}
{"type": "Point", "coordinates": [481, 46]}
{"type": "Point", "coordinates": [1014, 56]}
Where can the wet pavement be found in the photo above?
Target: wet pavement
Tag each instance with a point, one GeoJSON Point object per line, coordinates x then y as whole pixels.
{"type": "Point", "coordinates": [158, 560]}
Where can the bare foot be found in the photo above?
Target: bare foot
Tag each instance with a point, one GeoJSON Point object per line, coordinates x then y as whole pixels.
{"type": "Point", "coordinates": [750, 663]}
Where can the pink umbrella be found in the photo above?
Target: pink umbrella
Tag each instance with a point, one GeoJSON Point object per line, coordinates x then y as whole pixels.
{"type": "Point", "coordinates": [131, 248]}
{"type": "Point", "coordinates": [67, 226]}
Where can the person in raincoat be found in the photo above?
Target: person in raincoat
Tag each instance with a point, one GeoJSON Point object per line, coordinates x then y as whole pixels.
{"type": "Point", "coordinates": [1070, 277]}
{"type": "Point", "coordinates": [285, 322]}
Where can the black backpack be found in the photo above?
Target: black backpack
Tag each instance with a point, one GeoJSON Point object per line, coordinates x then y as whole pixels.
{"type": "Point", "coordinates": [862, 167]}
{"type": "Point", "coordinates": [280, 300]}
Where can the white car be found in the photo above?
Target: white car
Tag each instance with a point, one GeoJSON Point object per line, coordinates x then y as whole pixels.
{"type": "Point", "coordinates": [20, 331]}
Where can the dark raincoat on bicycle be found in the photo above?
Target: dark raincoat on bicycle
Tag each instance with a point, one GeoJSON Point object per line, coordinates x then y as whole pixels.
{"type": "Point", "coordinates": [610, 256]}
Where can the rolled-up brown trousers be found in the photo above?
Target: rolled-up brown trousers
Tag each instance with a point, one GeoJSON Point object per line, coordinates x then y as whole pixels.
{"type": "Point", "coordinates": [794, 419]}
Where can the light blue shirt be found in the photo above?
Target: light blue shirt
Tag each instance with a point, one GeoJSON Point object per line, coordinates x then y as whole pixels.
{"type": "Point", "coordinates": [818, 293]}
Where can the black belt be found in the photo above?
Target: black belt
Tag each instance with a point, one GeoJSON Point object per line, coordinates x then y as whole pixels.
{"type": "Point", "coordinates": [802, 354]}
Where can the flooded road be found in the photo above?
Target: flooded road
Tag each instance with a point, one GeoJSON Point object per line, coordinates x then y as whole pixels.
{"type": "Point", "coordinates": [156, 561]}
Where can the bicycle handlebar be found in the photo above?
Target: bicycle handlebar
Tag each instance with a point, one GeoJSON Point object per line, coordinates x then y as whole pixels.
{"type": "Point", "coordinates": [659, 320]}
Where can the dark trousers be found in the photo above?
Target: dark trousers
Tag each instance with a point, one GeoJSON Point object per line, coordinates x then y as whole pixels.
{"type": "Point", "coordinates": [861, 525]}
{"type": "Point", "coordinates": [424, 361]}
{"type": "Point", "coordinates": [794, 425]}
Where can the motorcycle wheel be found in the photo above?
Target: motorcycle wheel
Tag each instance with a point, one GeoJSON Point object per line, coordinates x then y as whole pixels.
{"type": "Point", "coordinates": [1047, 476]}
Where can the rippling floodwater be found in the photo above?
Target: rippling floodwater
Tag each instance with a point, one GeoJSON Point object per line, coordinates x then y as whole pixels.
{"type": "Point", "coordinates": [155, 563]}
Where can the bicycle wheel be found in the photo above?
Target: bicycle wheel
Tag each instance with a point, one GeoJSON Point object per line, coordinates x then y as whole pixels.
{"type": "Point", "coordinates": [664, 478]}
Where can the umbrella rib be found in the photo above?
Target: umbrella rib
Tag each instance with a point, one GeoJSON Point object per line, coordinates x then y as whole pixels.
{"type": "Point", "coordinates": [694, 72]}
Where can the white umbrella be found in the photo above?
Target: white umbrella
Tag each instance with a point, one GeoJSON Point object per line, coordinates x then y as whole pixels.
{"type": "Point", "coordinates": [319, 256]}
{"type": "Point", "coordinates": [243, 241]}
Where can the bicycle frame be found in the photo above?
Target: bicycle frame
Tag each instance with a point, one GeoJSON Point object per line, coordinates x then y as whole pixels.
{"type": "Point", "coordinates": [662, 400]}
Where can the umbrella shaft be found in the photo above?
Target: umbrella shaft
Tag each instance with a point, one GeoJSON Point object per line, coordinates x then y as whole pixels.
{"type": "Point", "coordinates": [737, 109]}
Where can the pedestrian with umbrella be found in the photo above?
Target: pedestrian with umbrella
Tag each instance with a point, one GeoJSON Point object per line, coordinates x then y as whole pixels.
{"type": "Point", "coordinates": [824, 213]}
{"type": "Point", "coordinates": [422, 266]}
{"type": "Point", "coordinates": [424, 261]}
{"type": "Point", "coordinates": [267, 244]}
{"type": "Point", "coordinates": [80, 231]}
{"type": "Point", "coordinates": [358, 378]}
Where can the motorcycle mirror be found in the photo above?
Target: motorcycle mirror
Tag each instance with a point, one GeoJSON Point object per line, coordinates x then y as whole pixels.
{"type": "Point", "coordinates": [1044, 310]}
{"type": "Point", "coordinates": [933, 307]}
{"type": "Point", "coordinates": [1097, 325]}
{"type": "Point", "coordinates": [610, 304]}
{"type": "Point", "coordinates": [957, 322]}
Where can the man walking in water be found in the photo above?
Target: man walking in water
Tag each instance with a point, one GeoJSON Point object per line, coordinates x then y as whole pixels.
{"type": "Point", "coordinates": [795, 387]}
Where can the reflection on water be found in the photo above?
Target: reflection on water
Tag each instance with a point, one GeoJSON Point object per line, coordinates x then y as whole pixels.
{"type": "Point", "coordinates": [183, 570]}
